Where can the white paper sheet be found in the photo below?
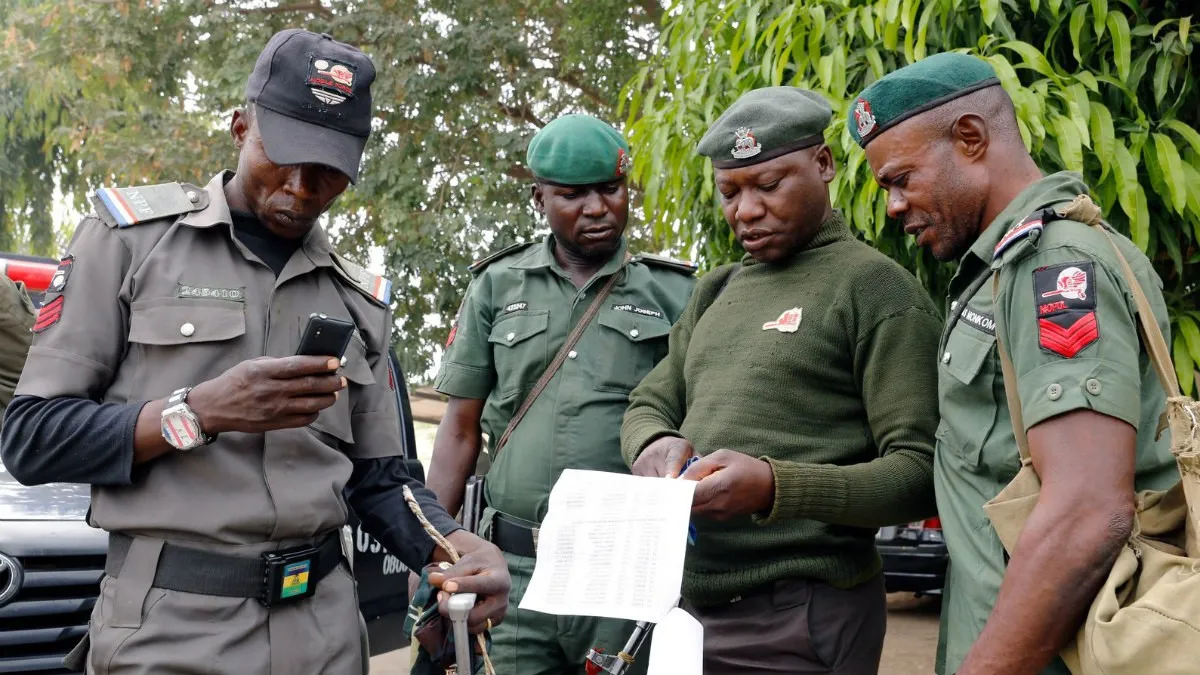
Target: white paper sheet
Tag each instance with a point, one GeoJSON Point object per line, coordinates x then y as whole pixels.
{"type": "Point", "coordinates": [677, 647]}
{"type": "Point", "coordinates": [611, 545]}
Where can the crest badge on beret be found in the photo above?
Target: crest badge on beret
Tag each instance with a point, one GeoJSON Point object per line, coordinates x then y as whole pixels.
{"type": "Point", "coordinates": [624, 162]}
{"type": "Point", "coordinates": [745, 145]}
{"type": "Point", "coordinates": [863, 117]}
{"type": "Point", "coordinates": [332, 82]}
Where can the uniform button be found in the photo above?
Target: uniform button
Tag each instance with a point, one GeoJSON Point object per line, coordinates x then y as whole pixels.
{"type": "Point", "coordinates": [187, 330]}
{"type": "Point", "coordinates": [634, 333]}
{"type": "Point", "coordinates": [510, 337]}
{"type": "Point", "coordinates": [946, 358]}
{"type": "Point", "coordinates": [193, 196]}
{"type": "Point", "coordinates": [343, 362]}
{"type": "Point", "coordinates": [572, 354]}
{"type": "Point", "coordinates": [1093, 386]}
{"type": "Point", "coordinates": [953, 305]}
{"type": "Point", "coordinates": [1054, 391]}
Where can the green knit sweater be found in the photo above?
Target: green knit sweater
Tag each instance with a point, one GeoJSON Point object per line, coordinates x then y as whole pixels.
{"type": "Point", "coordinates": [844, 408]}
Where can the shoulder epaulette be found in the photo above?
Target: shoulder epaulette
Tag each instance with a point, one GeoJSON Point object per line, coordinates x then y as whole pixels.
{"type": "Point", "coordinates": [369, 284]}
{"type": "Point", "coordinates": [479, 265]}
{"type": "Point", "coordinates": [127, 206]}
{"type": "Point", "coordinates": [682, 266]}
{"type": "Point", "coordinates": [1081, 209]}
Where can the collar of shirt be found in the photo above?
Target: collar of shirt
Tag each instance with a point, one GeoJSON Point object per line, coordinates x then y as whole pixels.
{"type": "Point", "coordinates": [542, 257]}
{"type": "Point", "coordinates": [1053, 189]}
{"type": "Point", "coordinates": [316, 243]}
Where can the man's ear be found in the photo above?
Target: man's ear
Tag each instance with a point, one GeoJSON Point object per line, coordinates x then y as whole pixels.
{"type": "Point", "coordinates": [971, 136]}
{"type": "Point", "coordinates": [825, 164]}
{"type": "Point", "coordinates": [239, 127]}
{"type": "Point", "coordinates": [539, 199]}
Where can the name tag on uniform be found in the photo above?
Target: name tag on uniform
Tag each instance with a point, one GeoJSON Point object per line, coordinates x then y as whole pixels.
{"type": "Point", "coordinates": [209, 292]}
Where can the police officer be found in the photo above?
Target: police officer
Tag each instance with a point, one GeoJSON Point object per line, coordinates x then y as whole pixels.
{"type": "Point", "coordinates": [801, 379]}
{"type": "Point", "coordinates": [521, 306]}
{"type": "Point", "coordinates": [16, 318]}
{"type": "Point", "coordinates": [942, 138]}
{"type": "Point", "coordinates": [164, 373]}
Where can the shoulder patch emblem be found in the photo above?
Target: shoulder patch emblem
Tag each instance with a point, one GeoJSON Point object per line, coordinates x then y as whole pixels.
{"type": "Point", "coordinates": [1065, 298]}
{"type": "Point", "coordinates": [372, 285]}
{"type": "Point", "coordinates": [58, 283]}
{"type": "Point", "coordinates": [479, 265]}
{"type": "Point", "coordinates": [124, 207]}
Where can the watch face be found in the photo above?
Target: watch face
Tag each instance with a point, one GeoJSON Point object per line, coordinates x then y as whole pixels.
{"type": "Point", "coordinates": [181, 430]}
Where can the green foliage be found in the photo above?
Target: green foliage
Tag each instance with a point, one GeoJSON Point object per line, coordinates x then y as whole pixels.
{"type": "Point", "coordinates": [1107, 89]}
{"type": "Point", "coordinates": [126, 92]}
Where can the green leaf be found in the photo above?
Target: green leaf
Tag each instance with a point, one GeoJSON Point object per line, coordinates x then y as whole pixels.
{"type": "Point", "coordinates": [1172, 169]}
{"type": "Point", "coordinates": [875, 61]}
{"type": "Point", "coordinates": [891, 11]}
{"type": "Point", "coordinates": [1079, 97]}
{"type": "Point", "coordinates": [1119, 27]}
{"type": "Point", "coordinates": [1162, 71]}
{"type": "Point", "coordinates": [1184, 363]}
{"type": "Point", "coordinates": [1033, 57]}
{"type": "Point", "coordinates": [1099, 13]}
{"type": "Point", "coordinates": [1088, 80]}
{"type": "Point", "coordinates": [1033, 6]}
{"type": "Point", "coordinates": [1054, 6]}
{"type": "Point", "coordinates": [1139, 224]}
{"type": "Point", "coordinates": [1103, 138]}
{"type": "Point", "coordinates": [1190, 331]}
{"type": "Point", "coordinates": [868, 22]}
{"type": "Point", "coordinates": [1186, 133]}
{"type": "Point", "coordinates": [1185, 26]}
{"type": "Point", "coordinates": [1078, 16]}
{"type": "Point", "coordinates": [990, 9]}
{"type": "Point", "coordinates": [1069, 144]}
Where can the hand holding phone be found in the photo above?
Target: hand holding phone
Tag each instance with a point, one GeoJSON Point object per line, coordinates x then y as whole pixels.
{"type": "Point", "coordinates": [325, 336]}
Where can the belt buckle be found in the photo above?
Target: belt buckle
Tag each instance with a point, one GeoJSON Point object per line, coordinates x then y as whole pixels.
{"type": "Point", "coordinates": [289, 576]}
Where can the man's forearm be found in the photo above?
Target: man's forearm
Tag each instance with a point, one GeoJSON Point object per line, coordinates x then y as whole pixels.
{"type": "Point", "coordinates": [1060, 562]}
{"type": "Point", "coordinates": [454, 458]}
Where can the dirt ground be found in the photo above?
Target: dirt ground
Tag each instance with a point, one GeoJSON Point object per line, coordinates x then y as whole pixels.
{"type": "Point", "coordinates": [908, 648]}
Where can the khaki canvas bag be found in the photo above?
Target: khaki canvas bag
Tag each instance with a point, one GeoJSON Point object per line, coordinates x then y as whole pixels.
{"type": "Point", "coordinates": [1146, 618]}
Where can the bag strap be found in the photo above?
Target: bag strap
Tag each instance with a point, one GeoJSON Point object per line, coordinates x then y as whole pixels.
{"type": "Point", "coordinates": [1083, 209]}
{"type": "Point", "coordinates": [561, 357]}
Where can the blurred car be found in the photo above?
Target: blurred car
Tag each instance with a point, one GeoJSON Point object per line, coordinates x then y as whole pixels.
{"type": "Point", "coordinates": [51, 561]}
{"type": "Point", "coordinates": [914, 557]}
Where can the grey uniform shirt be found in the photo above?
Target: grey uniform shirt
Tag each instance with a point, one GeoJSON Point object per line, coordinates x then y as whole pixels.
{"type": "Point", "coordinates": [166, 304]}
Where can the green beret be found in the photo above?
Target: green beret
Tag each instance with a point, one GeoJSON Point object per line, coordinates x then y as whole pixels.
{"type": "Point", "coordinates": [764, 124]}
{"type": "Point", "coordinates": [915, 88]}
{"type": "Point", "coordinates": [578, 150]}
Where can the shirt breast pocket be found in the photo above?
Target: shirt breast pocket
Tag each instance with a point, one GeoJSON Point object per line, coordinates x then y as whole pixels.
{"type": "Point", "coordinates": [177, 342]}
{"type": "Point", "coordinates": [519, 345]}
{"type": "Point", "coordinates": [337, 419]}
{"type": "Point", "coordinates": [632, 345]}
{"type": "Point", "coordinates": [968, 397]}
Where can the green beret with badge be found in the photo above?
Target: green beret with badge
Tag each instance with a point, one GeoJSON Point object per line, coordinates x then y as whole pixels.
{"type": "Point", "coordinates": [764, 124]}
{"type": "Point", "coordinates": [915, 88]}
{"type": "Point", "coordinates": [578, 150]}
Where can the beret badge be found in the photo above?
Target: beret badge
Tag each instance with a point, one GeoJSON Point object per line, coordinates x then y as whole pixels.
{"type": "Point", "coordinates": [863, 117]}
{"type": "Point", "coordinates": [745, 145]}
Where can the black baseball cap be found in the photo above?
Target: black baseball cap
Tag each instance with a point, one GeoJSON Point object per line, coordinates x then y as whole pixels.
{"type": "Point", "coordinates": [312, 98]}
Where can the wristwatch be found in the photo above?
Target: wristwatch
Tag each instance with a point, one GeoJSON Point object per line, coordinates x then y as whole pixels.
{"type": "Point", "coordinates": [180, 425]}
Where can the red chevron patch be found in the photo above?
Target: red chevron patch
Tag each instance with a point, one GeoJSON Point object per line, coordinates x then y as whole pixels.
{"type": "Point", "coordinates": [49, 314]}
{"type": "Point", "coordinates": [1067, 342]}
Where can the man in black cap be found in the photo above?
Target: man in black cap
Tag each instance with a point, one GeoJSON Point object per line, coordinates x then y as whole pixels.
{"type": "Point", "coordinates": [164, 373]}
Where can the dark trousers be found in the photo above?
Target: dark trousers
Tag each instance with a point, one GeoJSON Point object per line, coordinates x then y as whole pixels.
{"type": "Point", "coordinates": [796, 626]}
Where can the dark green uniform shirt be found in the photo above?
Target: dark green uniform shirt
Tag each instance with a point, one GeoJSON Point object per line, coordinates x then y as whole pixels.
{"type": "Point", "coordinates": [1067, 317]}
{"type": "Point", "coordinates": [16, 318]}
{"type": "Point", "coordinates": [518, 312]}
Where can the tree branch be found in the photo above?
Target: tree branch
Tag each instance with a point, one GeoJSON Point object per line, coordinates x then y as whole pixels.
{"type": "Point", "coordinates": [313, 7]}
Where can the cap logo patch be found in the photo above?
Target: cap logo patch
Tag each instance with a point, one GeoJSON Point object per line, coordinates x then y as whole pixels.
{"type": "Point", "coordinates": [745, 145]}
{"type": "Point", "coordinates": [624, 162]}
{"type": "Point", "coordinates": [332, 82]}
{"type": "Point", "coordinates": [863, 117]}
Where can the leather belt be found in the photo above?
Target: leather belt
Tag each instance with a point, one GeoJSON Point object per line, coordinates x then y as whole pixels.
{"type": "Point", "coordinates": [514, 536]}
{"type": "Point", "coordinates": [274, 578]}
